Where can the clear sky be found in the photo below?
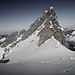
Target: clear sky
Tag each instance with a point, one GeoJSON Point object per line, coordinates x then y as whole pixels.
{"type": "Point", "coordinates": [20, 14]}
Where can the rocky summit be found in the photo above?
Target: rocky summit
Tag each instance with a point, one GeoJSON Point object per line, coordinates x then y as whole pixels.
{"type": "Point", "coordinates": [46, 25]}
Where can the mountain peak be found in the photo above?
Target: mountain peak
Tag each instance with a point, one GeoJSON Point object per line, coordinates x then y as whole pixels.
{"type": "Point", "coordinates": [46, 26]}
{"type": "Point", "coordinates": [51, 7]}
{"type": "Point", "coordinates": [44, 34]}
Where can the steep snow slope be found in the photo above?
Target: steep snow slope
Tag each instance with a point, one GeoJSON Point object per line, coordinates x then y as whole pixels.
{"type": "Point", "coordinates": [29, 51]}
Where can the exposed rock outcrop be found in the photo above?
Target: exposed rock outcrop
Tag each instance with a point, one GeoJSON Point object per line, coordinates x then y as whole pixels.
{"type": "Point", "coordinates": [22, 32]}
{"type": "Point", "coordinates": [10, 39]}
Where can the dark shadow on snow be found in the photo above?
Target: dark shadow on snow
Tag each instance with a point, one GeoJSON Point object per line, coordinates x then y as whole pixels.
{"type": "Point", "coordinates": [4, 61]}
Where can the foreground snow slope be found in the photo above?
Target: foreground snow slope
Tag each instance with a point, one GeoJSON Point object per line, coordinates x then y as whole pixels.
{"type": "Point", "coordinates": [29, 51]}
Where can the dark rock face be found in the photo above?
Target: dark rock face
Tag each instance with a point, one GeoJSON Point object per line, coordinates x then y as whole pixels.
{"type": "Point", "coordinates": [10, 39]}
{"type": "Point", "coordinates": [45, 34]}
{"type": "Point", "coordinates": [71, 45]}
{"type": "Point", "coordinates": [26, 34]}
{"type": "Point", "coordinates": [22, 32]}
{"type": "Point", "coordinates": [13, 38]}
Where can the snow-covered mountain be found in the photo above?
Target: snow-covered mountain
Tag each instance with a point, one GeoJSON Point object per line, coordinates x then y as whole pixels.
{"type": "Point", "coordinates": [72, 37]}
{"type": "Point", "coordinates": [42, 42]}
{"type": "Point", "coordinates": [2, 39]}
{"type": "Point", "coordinates": [47, 26]}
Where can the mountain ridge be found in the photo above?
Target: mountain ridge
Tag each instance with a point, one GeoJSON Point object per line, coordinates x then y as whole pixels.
{"type": "Point", "coordinates": [31, 44]}
{"type": "Point", "coordinates": [48, 26]}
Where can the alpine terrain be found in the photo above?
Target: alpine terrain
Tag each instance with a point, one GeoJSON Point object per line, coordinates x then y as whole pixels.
{"type": "Point", "coordinates": [40, 50]}
{"type": "Point", "coordinates": [43, 42]}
